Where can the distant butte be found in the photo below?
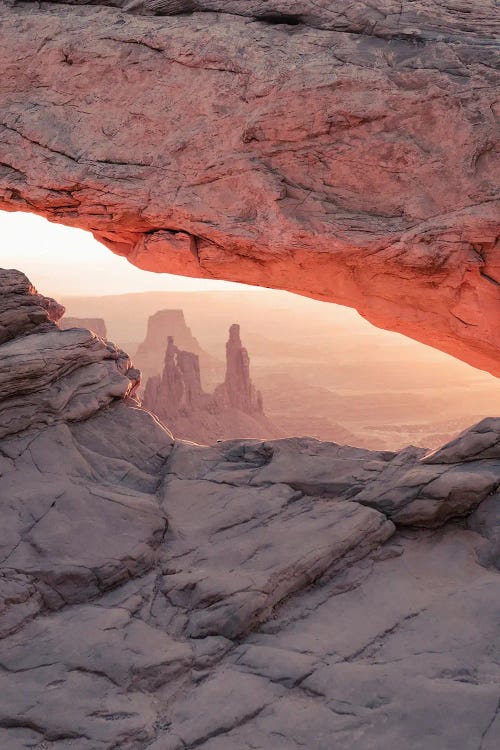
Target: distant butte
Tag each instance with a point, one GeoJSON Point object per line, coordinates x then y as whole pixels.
{"type": "Point", "coordinates": [163, 325]}
{"type": "Point", "coordinates": [346, 154]}
{"type": "Point", "coordinates": [233, 410]}
{"type": "Point", "coordinates": [97, 325]}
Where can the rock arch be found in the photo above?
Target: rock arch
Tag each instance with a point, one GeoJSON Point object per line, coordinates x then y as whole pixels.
{"type": "Point", "coordinates": [347, 158]}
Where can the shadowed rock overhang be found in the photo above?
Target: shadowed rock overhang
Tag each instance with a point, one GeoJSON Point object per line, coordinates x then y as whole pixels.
{"type": "Point", "coordinates": [346, 154]}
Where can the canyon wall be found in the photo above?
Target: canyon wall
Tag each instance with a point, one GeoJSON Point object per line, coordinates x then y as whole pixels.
{"type": "Point", "coordinates": [346, 153]}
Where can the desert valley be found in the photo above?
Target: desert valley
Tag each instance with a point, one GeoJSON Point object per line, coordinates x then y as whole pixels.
{"type": "Point", "coordinates": [322, 370]}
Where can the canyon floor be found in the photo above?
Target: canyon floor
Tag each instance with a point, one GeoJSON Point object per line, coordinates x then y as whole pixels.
{"type": "Point", "coordinates": [273, 595]}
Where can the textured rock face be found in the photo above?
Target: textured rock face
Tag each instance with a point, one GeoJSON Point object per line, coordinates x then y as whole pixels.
{"type": "Point", "coordinates": [156, 594]}
{"type": "Point", "coordinates": [48, 375]}
{"type": "Point", "coordinates": [234, 409]}
{"type": "Point", "coordinates": [97, 325]}
{"type": "Point", "coordinates": [77, 481]}
{"type": "Point", "coordinates": [341, 151]}
{"type": "Point", "coordinates": [23, 310]}
{"type": "Point", "coordinates": [163, 325]}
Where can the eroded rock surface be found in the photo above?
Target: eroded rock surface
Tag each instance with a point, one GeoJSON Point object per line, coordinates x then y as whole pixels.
{"type": "Point", "coordinates": [160, 595]}
{"type": "Point", "coordinates": [23, 310]}
{"type": "Point", "coordinates": [48, 375]}
{"type": "Point", "coordinates": [77, 482]}
{"type": "Point", "coordinates": [343, 151]}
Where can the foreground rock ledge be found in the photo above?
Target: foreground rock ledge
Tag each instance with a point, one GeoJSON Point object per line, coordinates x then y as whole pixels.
{"type": "Point", "coordinates": [347, 155]}
{"type": "Point", "coordinates": [161, 595]}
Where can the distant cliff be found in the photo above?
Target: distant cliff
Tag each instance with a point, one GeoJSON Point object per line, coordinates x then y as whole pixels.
{"type": "Point", "coordinates": [161, 326]}
{"type": "Point", "coordinates": [234, 409]}
{"type": "Point", "coordinates": [97, 325]}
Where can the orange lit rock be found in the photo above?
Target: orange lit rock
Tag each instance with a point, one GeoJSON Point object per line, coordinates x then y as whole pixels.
{"type": "Point", "coordinates": [344, 155]}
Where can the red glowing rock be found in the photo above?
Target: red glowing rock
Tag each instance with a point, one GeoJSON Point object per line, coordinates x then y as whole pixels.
{"type": "Point", "coordinates": [347, 156]}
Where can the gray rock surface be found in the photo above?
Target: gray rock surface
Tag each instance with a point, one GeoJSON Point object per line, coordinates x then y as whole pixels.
{"type": "Point", "coordinates": [486, 521]}
{"type": "Point", "coordinates": [160, 595]}
{"type": "Point", "coordinates": [23, 310]}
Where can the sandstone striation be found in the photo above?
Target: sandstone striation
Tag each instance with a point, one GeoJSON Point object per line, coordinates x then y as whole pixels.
{"type": "Point", "coordinates": [23, 310]}
{"type": "Point", "coordinates": [97, 325]}
{"type": "Point", "coordinates": [344, 151]}
{"type": "Point", "coordinates": [234, 409]}
{"type": "Point", "coordinates": [160, 595]}
{"type": "Point", "coordinates": [48, 375]}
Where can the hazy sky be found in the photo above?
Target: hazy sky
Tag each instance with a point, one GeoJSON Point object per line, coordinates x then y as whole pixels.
{"type": "Point", "coordinates": [61, 260]}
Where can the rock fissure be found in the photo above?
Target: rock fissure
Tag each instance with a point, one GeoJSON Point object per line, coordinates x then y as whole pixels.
{"type": "Point", "coordinates": [488, 727]}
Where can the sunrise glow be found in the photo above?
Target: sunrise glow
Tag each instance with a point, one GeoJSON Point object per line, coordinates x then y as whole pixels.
{"type": "Point", "coordinates": [65, 261]}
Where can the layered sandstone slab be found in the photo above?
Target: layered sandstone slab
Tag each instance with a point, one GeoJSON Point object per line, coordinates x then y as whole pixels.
{"type": "Point", "coordinates": [344, 153]}
{"type": "Point", "coordinates": [77, 478]}
{"type": "Point", "coordinates": [48, 375]}
{"type": "Point", "coordinates": [160, 595]}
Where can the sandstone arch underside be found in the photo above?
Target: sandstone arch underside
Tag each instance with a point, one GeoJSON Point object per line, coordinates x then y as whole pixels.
{"type": "Point", "coordinates": [343, 154]}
